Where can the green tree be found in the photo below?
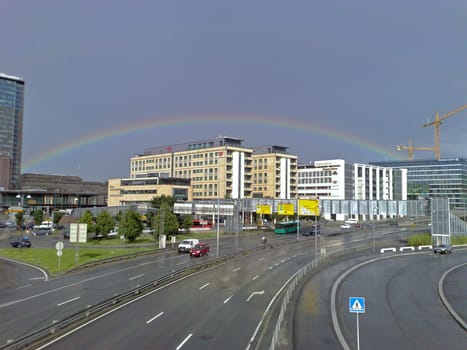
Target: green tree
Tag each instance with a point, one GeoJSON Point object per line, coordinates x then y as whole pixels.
{"type": "Point", "coordinates": [57, 217]}
{"type": "Point", "coordinates": [130, 225]}
{"type": "Point", "coordinates": [187, 222]}
{"type": "Point", "coordinates": [104, 223]}
{"type": "Point", "coordinates": [165, 222]}
{"type": "Point", "coordinates": [19, 219]}
{"type": "Point", "coordinates": [161, 201]}
{"type": "Point", "coordinates": [86, 218]}
{"type": "Point", "coordinates": [38, 216]}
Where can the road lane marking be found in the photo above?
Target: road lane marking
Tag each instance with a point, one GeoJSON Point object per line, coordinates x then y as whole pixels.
{"type": "Point", "coordinates": [135, 277]}
{"type": "Point", "coordinates": [270, 267]}
{"type": "Point", "coordinates": [227, 300]}
{"type": "Point", "coordinates": [204, 286]}
{"type": "Point", "coordinates": [255, 277]}
{"type": "Point", "coordinates": [261, 292]}
{"type": "Point", "coordinates": [184, 341]}
{"type": "Point", "coordinates": [35, 278]}
{"type": "Point", "coordinates": [25, 286]}
{"type": "Point", "coordinates": [260, 259]}
{"type": "Point", "coordinates": [68, 301]}
{"type": "Point", "coordinates": [237, 269]}
{"type": "Point", "coordinates": [152, 319]}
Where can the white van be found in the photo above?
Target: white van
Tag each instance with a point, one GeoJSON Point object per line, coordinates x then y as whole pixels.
{"type": "Point", "coordinates": [351, 221]}
{"type": "Point", "coordinates": [187, 244]}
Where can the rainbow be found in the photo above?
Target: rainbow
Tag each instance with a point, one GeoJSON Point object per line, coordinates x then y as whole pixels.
{"type": "Point", "coordinates": [158, 123]}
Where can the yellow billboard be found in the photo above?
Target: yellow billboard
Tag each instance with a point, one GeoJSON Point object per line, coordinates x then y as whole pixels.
{"type": "Point", "coordinates": [285, 209]}
{"type": "Point", "coordinates": [308, 207]}
{"type": "Point", "coordinates": [263, 209]}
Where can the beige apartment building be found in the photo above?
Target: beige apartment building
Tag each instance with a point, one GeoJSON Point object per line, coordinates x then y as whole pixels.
{"type": "Point", "coordinates": [274, 173]}
{"type": "Point", "coordinates": [142, 190]}
{"type": "Point", "coordinates": [222, 168]}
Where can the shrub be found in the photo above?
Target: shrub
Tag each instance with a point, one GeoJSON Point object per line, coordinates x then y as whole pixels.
{"type": "Point", "coordinates": [419, 239]}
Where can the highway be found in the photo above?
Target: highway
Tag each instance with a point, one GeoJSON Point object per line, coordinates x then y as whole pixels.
{"type": "Point", "coordinates": [403, 308]}
{"type": "Point", "coordinates": [36, 304]}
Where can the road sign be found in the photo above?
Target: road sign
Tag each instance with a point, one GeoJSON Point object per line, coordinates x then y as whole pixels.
{"type": "Point", "coordinates": [59, 253]}
{"type": "Point", "coordinates": [357, 304]}
{"type": "Point", "coordinates": [59, 245]}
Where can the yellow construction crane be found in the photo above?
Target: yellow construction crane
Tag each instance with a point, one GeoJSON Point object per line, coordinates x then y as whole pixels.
{"type": "Point", "coordinates": [410, 148]}
{"type": "Point", "coordinates": [436, 123]}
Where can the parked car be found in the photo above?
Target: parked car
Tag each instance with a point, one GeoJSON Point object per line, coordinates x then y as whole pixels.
{"type": "Point", "coordinates": [10, 224]}
{"type": "Point", "coordinates": [187, 244]}
{"type": "Point", "coordinates": [41, 232]}
{"type": "Point", "coordinates": [21, 243]}
{"type": "Point", "coordinates": [442, 249]}
{"type": "Point", "coordinates": [345, 226]}
{"type": "Point", "coordinates": [200, 249]}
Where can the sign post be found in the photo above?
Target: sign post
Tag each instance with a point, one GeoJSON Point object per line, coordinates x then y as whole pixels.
{"type": "Point", "coordinates": [59, 247]}
{"type": "Point", "coordinates": [357, 305]}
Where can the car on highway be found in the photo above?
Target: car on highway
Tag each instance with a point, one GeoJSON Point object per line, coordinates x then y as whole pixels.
{"type": "Point", "coordinates": [345, 226]}
{"type": "Point", "coordinates": [21, 243]}
{"type": "Point", "coordinates": [187, 244]}
{"type": "Point", "coordinates": [200, 249]}
{"type": "Point", "coordinates": [442, 249]}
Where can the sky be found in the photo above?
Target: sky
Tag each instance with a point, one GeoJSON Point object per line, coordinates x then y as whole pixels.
{"type": "Point", "coordinates": [329, 79]}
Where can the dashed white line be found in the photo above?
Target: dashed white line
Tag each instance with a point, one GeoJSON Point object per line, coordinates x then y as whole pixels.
{"type": "Point", "coordinates": [235, 270]}
{"type": "Point", "coordinates": [184, 341]}
{"type": "Point", "coordinates": [135, 277]}
{"type": "Point", "coordinates": [68, 301]}
{"type": "Point", "coordinates": [255, 277]}
{"type": "Point", "coordinates": [157, 316]}
{"type": "Point", "coordinates": [227, 300]}
{"type": "Point", "coordinates": [25, 286]}
{"type": "Point", "coordinates": [270, 267]}
{"type": "Point", "coordinates": [260, 259]}
{"type": "Point", "coordinates": [204, 286]}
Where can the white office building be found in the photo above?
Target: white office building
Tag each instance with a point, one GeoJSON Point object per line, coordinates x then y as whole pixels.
{"type": "Point", "coordinates": [337, 180]}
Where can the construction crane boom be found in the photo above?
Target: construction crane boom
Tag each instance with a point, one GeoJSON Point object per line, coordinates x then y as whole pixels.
{"type": "Point", "coordinates": [410, 148]}
{"type": "Point", "coordinates": [436, 124]}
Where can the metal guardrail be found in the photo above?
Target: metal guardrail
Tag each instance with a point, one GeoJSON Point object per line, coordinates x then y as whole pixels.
{"type": "Point", "coordinates": [40, 336]}
{"type": "Point", "coordinates": [287, 295]}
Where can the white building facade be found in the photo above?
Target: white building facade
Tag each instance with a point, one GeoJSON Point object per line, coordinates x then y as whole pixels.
{"type": "Point", "coordinates": [337, 180]}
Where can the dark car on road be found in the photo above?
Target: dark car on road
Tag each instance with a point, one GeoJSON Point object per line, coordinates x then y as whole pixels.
{"type": "Point", "coordinates": [442, 249]}
{"type": "Point", "coordinates": [41, 232]}
{"type": "Point", "coordinates": [21, 243]}
{"type": "Point", "coordinates": [199, 249]}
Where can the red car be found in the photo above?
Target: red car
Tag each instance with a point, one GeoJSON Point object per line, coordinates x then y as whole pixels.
{"type": "Point", "coordinates": [199, 249]}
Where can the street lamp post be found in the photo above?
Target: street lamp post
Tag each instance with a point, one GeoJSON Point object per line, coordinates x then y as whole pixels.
{"type": "Point", "coordinates": [374, 213]}
{"type": "Point", "coordinates": [218, 202]}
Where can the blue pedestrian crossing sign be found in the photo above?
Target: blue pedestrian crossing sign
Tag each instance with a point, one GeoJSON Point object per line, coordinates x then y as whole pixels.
{"type": "Point", "coordinates": [357, 304]}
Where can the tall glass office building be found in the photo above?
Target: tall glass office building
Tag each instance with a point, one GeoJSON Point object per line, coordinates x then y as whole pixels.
{"type": "Point", "coordinates": [11, 129]}
{"type": "Point", "coordinates": [435, 178]}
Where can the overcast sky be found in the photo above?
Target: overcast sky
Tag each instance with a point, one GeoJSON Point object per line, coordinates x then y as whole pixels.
{"type": "Point", "coordinates": [347, 79]}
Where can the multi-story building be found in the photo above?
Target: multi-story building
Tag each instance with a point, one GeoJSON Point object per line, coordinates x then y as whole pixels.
{"type": "Point", "coordinates": [142, 190]}
{"type": "Point", "coordinates": [223, 168]}
{"type": "Point", "coordinates": [274, 173]}
{"type": "Point", "coordinates": [435, 178]}
{"type": "Point", "coordinates": [335, 179]}
{"type": "Point", "coordinates": [325, 179]}
{"type": "Point", "coordinates": [218, 168]}
{"type": "Point", "coordinates": [11, 130]}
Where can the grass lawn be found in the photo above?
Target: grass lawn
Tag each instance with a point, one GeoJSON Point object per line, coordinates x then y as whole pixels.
{"type": "Point", "coordinates": [47, 258]}
{"type": "Point", "coordinates": [94, 250]}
